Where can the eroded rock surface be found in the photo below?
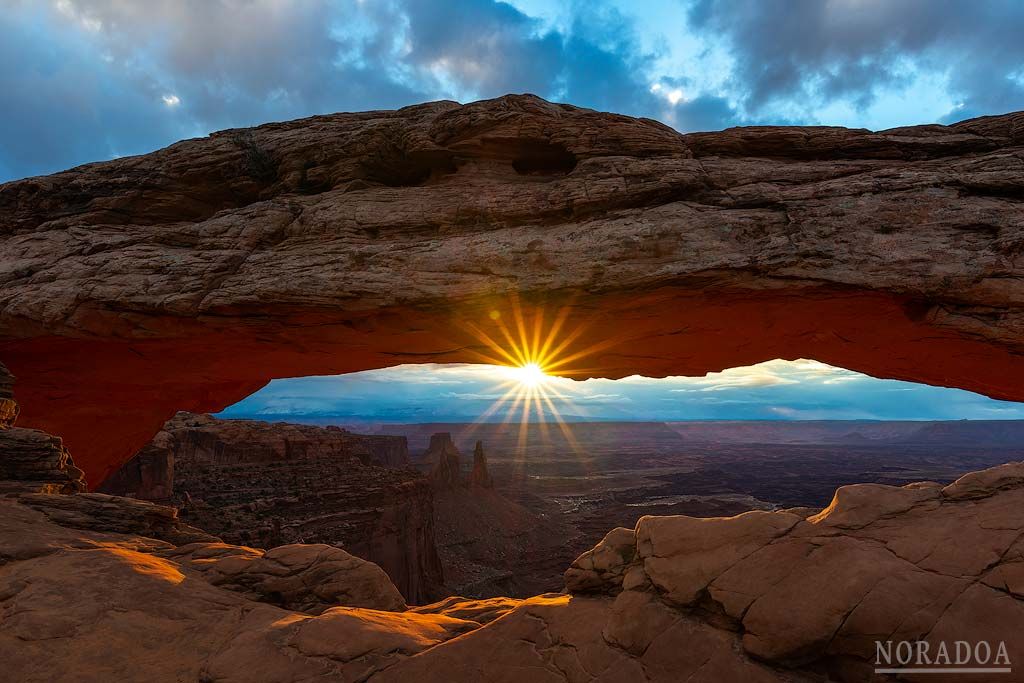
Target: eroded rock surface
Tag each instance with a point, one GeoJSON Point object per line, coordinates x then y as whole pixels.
{"type": "Point", "coordinates": [921, 562]}
{"type": "Point", "coordinates": [187, 278]}
{"type": "Point", "coordinates": [34, 461]}
{"type": "Point", "coordinates": [763, 597]}
{"type": "Point", "coordinates": [114, 514]}
{"type": "Point", "coordinates": [306, 578]}
{"type": "Point", "coordinates": [86, 606]}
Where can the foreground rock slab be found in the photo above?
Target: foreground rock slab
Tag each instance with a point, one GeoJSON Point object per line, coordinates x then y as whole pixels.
{"type": "Point", "coordinates": [767, 597]}
{"type": "Point", "coordinates": [88, 606]}
{"type": "Point", "coordinates": [918, 563]}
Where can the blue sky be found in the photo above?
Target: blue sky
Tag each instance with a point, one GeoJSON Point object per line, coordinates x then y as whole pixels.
{"type": "Point", "coordinates": [774, 390]}
{"type": "Point", "coordinates": [85, 80]}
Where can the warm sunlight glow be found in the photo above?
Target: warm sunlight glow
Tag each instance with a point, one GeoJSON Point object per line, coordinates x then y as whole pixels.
{"type": "Point", "coordinates": [529, 375]}
{"type": "Point", "coordinates": [533, 355]}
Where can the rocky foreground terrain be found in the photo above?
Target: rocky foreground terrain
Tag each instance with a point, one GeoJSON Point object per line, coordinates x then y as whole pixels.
{"type": "Point", "coordinates": [98, 588]}
{"type": "Point", "coordinates": [265, 485]}
{"type": "Point", "coordinates": [436, 530]}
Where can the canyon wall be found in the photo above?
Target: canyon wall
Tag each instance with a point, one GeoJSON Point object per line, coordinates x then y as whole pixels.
{"type": "Point", "coordinates": [187, 278]}
{"type": "Point", "coordinates": [270, 484]}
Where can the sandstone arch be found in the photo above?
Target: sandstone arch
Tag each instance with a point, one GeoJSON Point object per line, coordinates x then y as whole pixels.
{"type": "Point", "coordinates": [187, 278]}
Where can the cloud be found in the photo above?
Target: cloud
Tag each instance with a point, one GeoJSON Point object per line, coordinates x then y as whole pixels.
{"type": "Point", "coordinates": [87, 80]}
{"type": "Point", "coordinates": [802, 53]}
{"type": "Point", "coordinates": [92, 79]}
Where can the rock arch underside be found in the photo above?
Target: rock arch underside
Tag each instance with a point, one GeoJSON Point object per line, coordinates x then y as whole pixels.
{"type": "Point", "coordinates": [187, 278]}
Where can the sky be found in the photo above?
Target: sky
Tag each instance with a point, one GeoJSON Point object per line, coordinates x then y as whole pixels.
{"type": "Point", "coordinates": [774, 390]}
{"type": "Point", "coordinates": [88, 80]}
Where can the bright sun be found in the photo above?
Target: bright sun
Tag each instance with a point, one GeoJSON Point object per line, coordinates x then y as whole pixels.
{"type": "Point", "coordinates": [529, 375]}
{"type": "Point", "coordinates": [531, 355]}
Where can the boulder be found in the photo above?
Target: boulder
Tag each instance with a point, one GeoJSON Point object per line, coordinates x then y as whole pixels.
{"type": "Point", "coordinates": [304, 578]}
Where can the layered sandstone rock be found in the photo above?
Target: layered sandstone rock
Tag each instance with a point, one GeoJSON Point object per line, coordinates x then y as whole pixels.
{"type": "Point", "coordinates": [269, 484]}
{"type": "Point", "coordinates": [34, 461]}
{"type": "Point", "coordinates": [114, 514]}
{"type": "Point", "coordinates": [31, 461]}
{"type": "Point", "coordinates": [188, 441]}
{"type": "Point", "coordinates": [187, 278]}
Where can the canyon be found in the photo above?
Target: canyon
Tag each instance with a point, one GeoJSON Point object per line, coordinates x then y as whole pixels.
{"type": "Point", "coordinates": [187, 278]}
{"type": "Point", "coordinates": [435, 527]}
{"type": "Point", "coordinates": [270, 484]}
{"type": "Point", "coordinates": [96, 587]}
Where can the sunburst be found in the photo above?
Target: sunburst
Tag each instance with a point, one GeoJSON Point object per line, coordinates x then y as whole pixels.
{"type": "Point", "coordinates": [534, 354]}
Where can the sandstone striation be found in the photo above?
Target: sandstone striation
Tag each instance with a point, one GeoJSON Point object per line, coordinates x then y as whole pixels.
{"type": "Point", "coordinates": [187, 278]}
{"type": "Point", "coordinates": [114, 514]}
{"type": "Point", "coordinates": [34, 461]}
{"type": "Point", "coordinates": [31, 461]}
{"type": "Point", "coordinates": [262, 484]}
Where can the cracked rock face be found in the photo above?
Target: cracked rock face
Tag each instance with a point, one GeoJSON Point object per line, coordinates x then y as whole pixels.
{"type": "Point", "coordinates": [921, 562]}
{"type": "Point", "coordinates": [187, 278]}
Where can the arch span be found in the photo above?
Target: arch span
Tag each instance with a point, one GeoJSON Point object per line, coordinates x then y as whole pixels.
{"type": "Point", "coordinates": [184, 279]}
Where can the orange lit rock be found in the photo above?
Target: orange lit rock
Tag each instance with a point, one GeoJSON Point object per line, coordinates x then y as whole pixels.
{"type": "Point", "coordinates": [759, 597]}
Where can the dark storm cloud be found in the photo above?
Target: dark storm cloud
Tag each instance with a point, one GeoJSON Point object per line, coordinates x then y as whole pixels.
{"type": "Point", "coordinates": [85, 80]}
{"type": "Point", "coordinates": [810, 50]}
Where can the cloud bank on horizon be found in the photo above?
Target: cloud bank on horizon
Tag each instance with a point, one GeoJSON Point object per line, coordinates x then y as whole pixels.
{"type": "Point", "coordinates": [773, 390]}
{"type": "Point", "coordinates": [87, 80]}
